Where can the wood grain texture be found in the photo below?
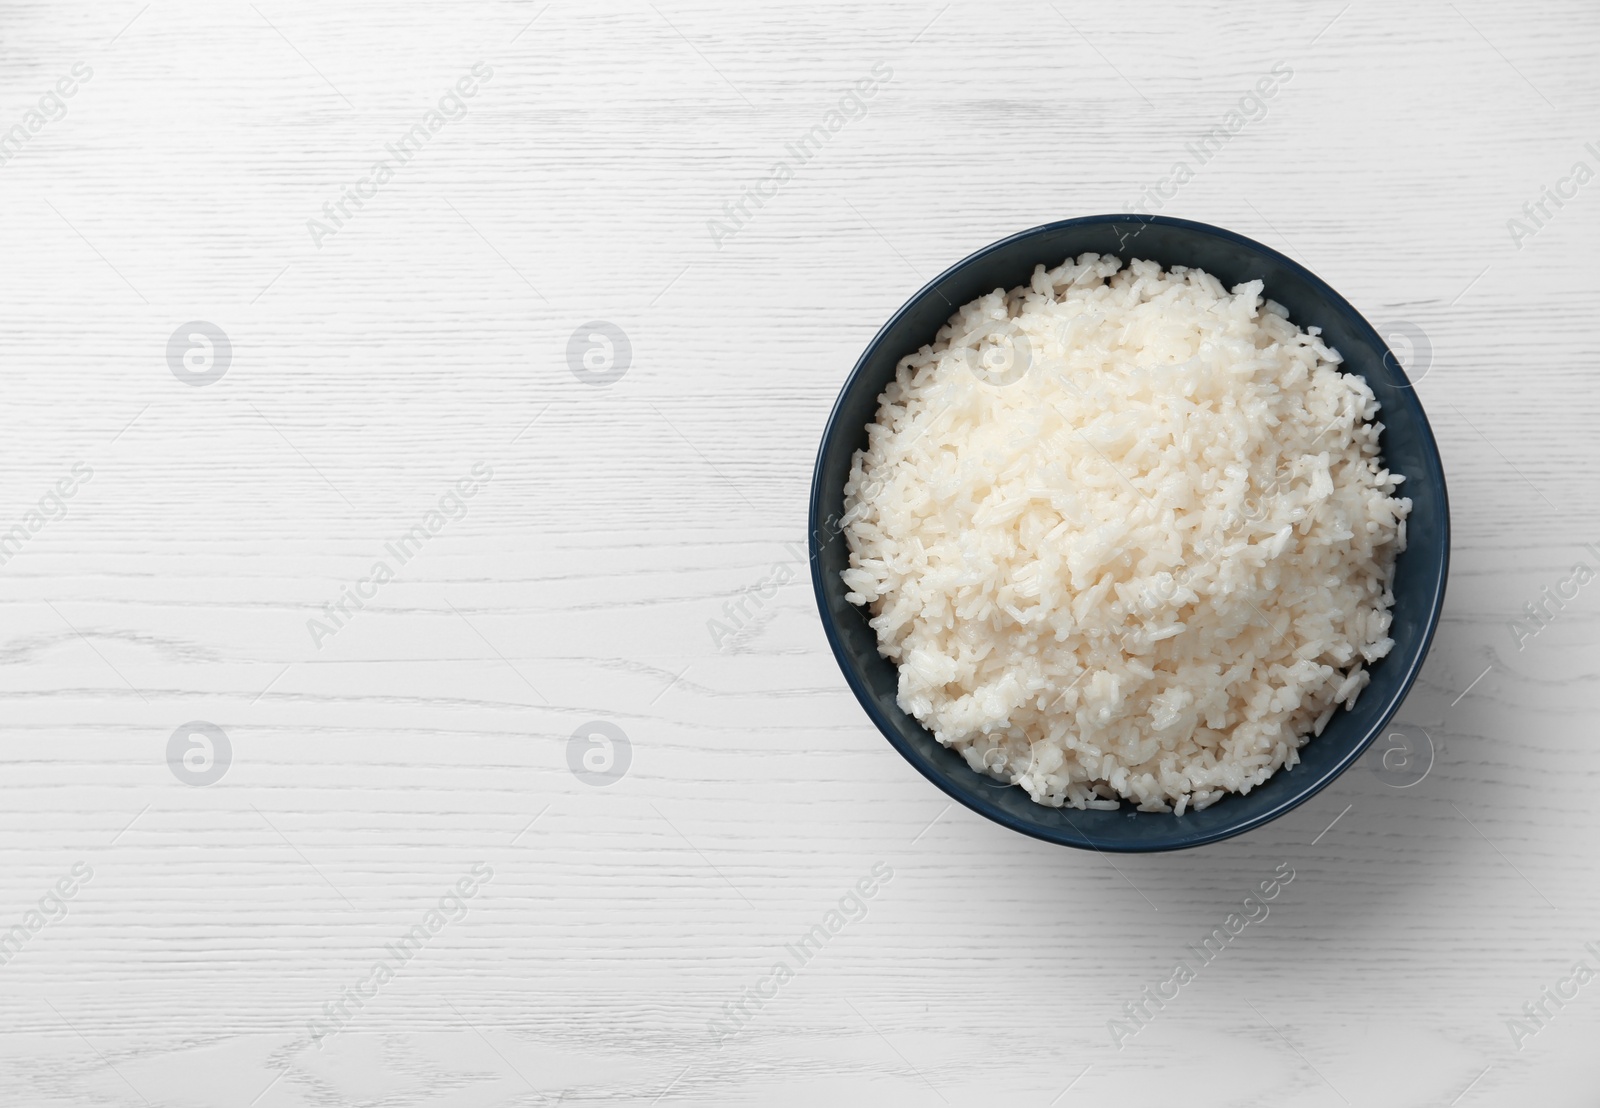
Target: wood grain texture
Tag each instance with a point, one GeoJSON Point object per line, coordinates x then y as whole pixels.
{"type": "Point", "coordinates": [371, 770]}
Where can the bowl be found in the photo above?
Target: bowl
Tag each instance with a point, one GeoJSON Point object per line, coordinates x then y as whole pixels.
{"type": "Point", "coordinates": [1408, 448]}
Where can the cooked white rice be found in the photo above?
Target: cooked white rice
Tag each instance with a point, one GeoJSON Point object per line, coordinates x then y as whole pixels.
{"type": "Point", "coordinates": [1126, 535]}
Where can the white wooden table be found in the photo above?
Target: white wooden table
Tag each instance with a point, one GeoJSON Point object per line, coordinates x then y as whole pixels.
{"type": "Point", "coordinates": [587, 186]}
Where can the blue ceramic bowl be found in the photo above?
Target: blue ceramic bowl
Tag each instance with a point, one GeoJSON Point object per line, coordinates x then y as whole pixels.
{"type": "Point", "coordinates": [1408, 448]}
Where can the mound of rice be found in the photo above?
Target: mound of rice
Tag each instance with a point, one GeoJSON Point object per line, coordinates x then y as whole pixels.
{"type": "Point", "coordinates": [1126, 534]}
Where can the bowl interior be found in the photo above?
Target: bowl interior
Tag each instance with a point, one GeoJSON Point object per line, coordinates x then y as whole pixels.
{"type": "Point", "coordinates": [1408, 448]}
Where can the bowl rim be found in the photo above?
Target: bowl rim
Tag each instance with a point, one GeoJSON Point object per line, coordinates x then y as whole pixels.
{"type": "Point", "coordinates": [1076, 838]}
